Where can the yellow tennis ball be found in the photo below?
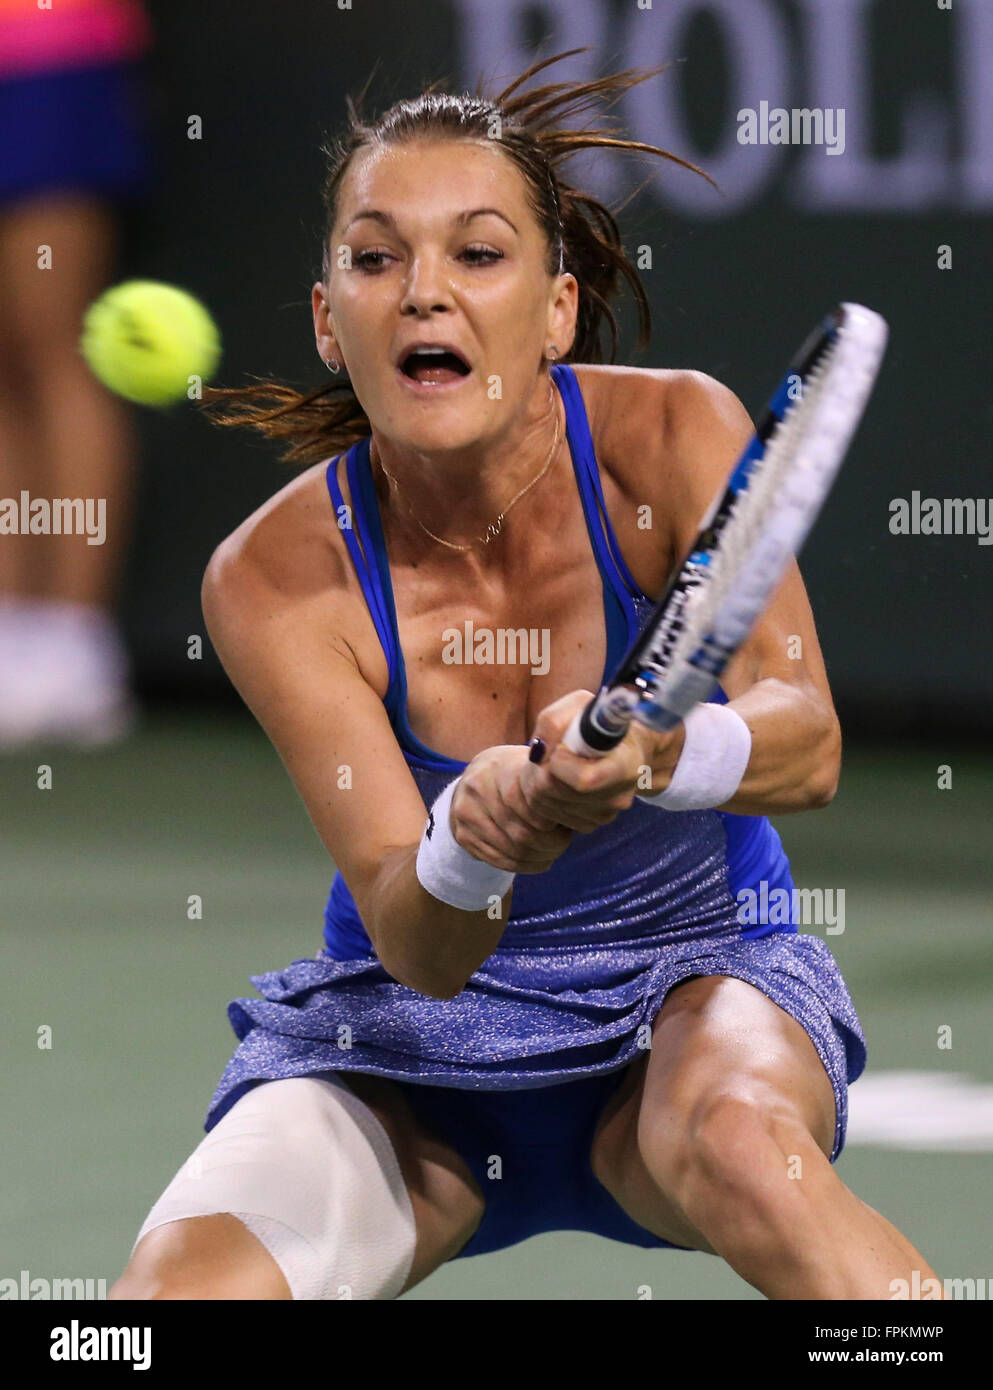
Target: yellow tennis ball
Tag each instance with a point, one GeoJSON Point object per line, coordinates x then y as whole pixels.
{"type": "Point", "coordinates": [144, 339]}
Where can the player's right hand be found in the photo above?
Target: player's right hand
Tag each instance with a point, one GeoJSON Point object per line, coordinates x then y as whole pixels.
{"type": "Point", "coordinates": [492, 821]}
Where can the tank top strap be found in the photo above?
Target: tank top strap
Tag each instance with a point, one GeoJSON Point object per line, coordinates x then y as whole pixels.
{"type": "Point", "coordinates": [364, 538]}
{"type": "Point", "coordinates": [608, 552]}
{"type": "Point", "coordinates": [624, 604]}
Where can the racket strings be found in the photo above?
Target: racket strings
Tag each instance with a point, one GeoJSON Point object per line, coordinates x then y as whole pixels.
{"type": "Point", "coordinates": [691, 579]}
{"type": "Point", "coordinates": [758, 524]}
{"type": "Point", "coordinates": [807, 451]}
{"type": "Point", "coordinates": [745, 526]}
{"type": "Point", "coordinates": [770, 484]}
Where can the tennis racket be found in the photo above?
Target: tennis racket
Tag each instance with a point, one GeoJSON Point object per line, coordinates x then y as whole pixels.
{"type": "Point", "coordinates": [754, 527]}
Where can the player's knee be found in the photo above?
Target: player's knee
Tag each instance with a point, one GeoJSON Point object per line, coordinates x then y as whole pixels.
{"type": "Point", "coordinates": [744, 1149]}
{"type": "Point", "coordinates": [721, 1136]}
{"type": "Point", "coordinates": [300, 1183]}
{"type": "Point", "coordinates": [722, 1147]}
{"type": "Point", "coordinates": [205, 1257]}
{"type": "Point", "coordinates": [148, 1277]}
{"type": "Point", "coordinates": [131, 1288]}
{"type": "Point", "coordinates": [148, 1285]}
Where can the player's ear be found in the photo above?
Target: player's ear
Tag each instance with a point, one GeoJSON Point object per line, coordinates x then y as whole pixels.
{"type": "Point", "coordinates": [324, 330]}
{"type": "Point", "coordinates": [319, 309]}
{"type": "Point", "coordinates": [563, 311]}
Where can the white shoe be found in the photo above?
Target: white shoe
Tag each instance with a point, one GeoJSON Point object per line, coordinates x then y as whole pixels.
{"type": "Point", "coordinates": [64, 675]}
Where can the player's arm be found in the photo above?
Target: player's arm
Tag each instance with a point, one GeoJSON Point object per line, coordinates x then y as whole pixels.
{"type": "Point", "coordinates": [301, 681]}
{"type": "Point", "coordinates": [776, 681]}
{"type": "Point", "coordinates": [673, 439]}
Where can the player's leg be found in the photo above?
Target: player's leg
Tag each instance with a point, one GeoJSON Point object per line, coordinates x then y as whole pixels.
{"type": "Point", "coordinates": [447, 1201]}
{"type": "Point", "coordinates": [307, 1189]}
{"type": "Point", "coordinates": [720, 1138]}
{"type": "Point", "coordinates": [201, 1257]}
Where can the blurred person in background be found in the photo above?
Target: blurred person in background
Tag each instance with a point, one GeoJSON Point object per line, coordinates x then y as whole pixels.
{"type": "Point", "coordinates": [74, 165]}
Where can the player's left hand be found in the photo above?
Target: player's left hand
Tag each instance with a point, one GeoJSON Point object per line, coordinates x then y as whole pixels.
{"type": "Point", "coordinates": [584, 793]}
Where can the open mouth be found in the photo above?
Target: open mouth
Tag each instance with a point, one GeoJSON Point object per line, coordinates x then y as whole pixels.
{"type": "Point", "coordinates": [434, 366]}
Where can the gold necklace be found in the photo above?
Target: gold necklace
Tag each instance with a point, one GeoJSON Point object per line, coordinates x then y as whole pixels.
{"type": "Point", "coordinates": [495, 527]}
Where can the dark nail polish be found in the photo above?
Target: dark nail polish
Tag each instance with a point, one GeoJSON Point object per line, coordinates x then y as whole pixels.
{"type": "Point", "coordinates": [538, 750]}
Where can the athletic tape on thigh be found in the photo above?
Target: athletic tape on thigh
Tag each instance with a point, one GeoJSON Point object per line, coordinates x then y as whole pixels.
{"type": "Point", "coordinates": [310, 1170]}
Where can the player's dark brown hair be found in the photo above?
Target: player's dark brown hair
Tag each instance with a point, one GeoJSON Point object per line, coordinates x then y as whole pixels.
{"type": "Point", "coordinates": [536, 129]}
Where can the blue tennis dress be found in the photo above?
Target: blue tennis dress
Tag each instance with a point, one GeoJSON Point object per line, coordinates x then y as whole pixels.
{"type": "Point", "coordinates": [521, 1063]}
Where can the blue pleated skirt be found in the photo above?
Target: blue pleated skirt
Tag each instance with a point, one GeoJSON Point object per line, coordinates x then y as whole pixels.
{"type": "Point", "coordinates": [527, 1018]}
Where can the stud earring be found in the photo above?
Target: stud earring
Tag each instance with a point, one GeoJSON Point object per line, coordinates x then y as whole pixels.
{"type": "Point", "coordinates": [332, 366]}
{"type": "Point", "coordinates": [552, 353]}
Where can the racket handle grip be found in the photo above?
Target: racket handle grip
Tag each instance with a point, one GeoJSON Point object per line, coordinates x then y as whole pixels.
{"type": "Point", "coordinates": [587, 737]}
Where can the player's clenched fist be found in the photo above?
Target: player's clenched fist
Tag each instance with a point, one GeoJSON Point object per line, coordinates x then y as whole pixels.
{"type": "Point", "coordinates": [492, 821]}
{"type": "Point", "coordinates": [584, 793]}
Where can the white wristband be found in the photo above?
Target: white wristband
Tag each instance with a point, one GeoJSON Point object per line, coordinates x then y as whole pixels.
{"type": "Point", "coordinates": [449, 872]}
{"type": "Point", "coordinates": [712, 763]}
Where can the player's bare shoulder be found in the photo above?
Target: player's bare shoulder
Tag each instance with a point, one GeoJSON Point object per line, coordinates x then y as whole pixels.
{"type": "Point", "coordinates": [648, 422]}
{"type": "Point", "coordinates": [654, 432]}
{"type": "Point", "coordinates": [287, 566]}
{"type": "Point", "coordinates": [268, 555]}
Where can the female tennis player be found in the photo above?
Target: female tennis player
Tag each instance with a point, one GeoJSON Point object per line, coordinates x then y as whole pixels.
{"type": "Point", "coordinates": [536, 1007]}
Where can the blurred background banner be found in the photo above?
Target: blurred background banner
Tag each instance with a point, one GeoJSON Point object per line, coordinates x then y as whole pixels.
{"type": "Point", "coordinates": [889, 203]}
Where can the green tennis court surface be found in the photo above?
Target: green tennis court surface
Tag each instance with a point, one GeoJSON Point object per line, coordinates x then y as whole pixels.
{"type": "Point", "coordinates": [97, 946]}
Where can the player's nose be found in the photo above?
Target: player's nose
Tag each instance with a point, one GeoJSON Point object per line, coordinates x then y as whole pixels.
{"type": "Point", "coordinates": [427, 285]}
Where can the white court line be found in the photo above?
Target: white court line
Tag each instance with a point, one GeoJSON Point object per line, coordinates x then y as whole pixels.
{"type": "Point", "coordinates": [927, 1110]}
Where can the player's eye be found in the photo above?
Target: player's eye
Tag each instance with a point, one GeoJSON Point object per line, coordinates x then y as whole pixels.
{"type": "Point", "coordinates": [369, 260]}
{"type": "Point", "coordinates": [482, 255]}
{"type": "Point", "coordinates": [374, 261]}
